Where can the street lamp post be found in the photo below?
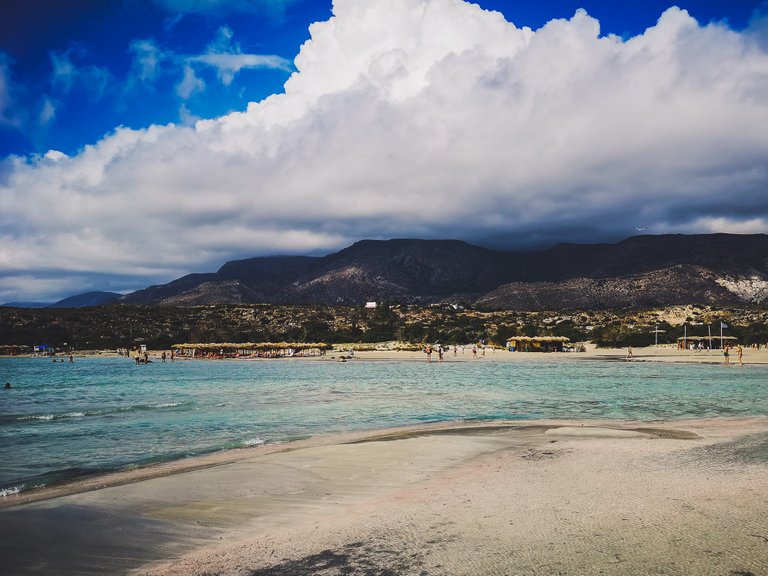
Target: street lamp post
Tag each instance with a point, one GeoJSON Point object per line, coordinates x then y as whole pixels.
{"type": "Point", "coordinates": [656, 338]}
{"type": "Point", "coordinates": [685, 337]}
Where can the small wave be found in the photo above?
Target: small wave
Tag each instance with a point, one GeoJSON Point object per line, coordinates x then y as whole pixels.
{"type": "Point", "coordinates": [48, 417]}
{"type": "Point", "coordinates": [41, 417]}
{"type": "Point", "coordinates": [252, 442]}
{"type": "Point", "coordinates": [108, 412]}
{"type": "Point", "coordinates": [236, 444]}
{"type": "Point", "coordinates": [158, 406]}
{"type": "Point", "coordinates": [5, 492]}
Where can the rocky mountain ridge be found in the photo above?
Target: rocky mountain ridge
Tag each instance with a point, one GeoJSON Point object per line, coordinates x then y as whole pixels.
{"type": "Point", "coordinates": [641, 271]}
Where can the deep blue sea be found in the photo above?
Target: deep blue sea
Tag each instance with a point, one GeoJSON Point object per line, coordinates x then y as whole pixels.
{"type": "Point", "coordinates": [62, 421]}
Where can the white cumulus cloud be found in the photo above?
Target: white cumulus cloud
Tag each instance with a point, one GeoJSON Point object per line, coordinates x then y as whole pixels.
{"type": "Point", "coordinates": [147, 60]}
{"type": "Point", "coordinates": [68, 75]}
{"type": "Point", "coordinates": [189, 83]}
{"type": "Point", "coordinates": [228, 58]}
{"type": "Point", "coordinates": [47, 111]}
{"type": "Point", "coordinates": [223, 55]}
{"type": "Point", "coordinates": [420, 118]}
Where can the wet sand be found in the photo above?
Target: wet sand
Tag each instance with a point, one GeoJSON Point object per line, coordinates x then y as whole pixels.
{"type": "Point", "coordinates": [549, 497]}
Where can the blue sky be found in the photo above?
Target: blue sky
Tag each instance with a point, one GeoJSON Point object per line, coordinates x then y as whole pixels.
{"type": "Point", "coordinates": [141, 140]}
{"type": "Point", "coordinates": [82, 61]}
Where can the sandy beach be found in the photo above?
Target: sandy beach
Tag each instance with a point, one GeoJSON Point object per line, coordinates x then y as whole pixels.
{"type": "Point", "coordinates": [661, 353]}
{"type": "Point", "coordinates": [665, 353]}
{"type": "Point", "coordinates": [548, 497]}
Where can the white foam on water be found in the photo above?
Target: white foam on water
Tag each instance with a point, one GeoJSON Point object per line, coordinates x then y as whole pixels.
{"type": "Point", "coordinates": [41, 417]}
{"type": "Point", "coordinates": [5, 492]}
{"type": "Point", "coordinates": [253, 442]}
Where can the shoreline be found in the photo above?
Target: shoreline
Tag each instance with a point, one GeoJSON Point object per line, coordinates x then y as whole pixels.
{"type": "Point", "coordinates": [115, 478]}
{"type": "Point", "coordinates": [661, 353]}
{"type": "Point", "coordinates": [545, 496]}
{"type": "Point", "coordinates": [141, 473]}
{"type": "Point", "coordinates": [449, 498]}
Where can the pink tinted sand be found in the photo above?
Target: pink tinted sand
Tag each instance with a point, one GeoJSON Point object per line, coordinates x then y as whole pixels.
{"type": "Point", "coordinates": [552, 498]}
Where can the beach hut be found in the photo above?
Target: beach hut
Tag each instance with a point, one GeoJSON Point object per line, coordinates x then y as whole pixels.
{"type": "Point", "coordinates": [537, 343]}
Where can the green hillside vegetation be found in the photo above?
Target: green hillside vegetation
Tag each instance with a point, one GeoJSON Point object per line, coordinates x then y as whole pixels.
{"type": "Point", "coordinates": [125, 326]}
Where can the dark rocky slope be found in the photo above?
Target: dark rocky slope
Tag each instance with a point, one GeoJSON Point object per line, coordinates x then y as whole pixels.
{"type": "Point", "coordinates": [639, 271]}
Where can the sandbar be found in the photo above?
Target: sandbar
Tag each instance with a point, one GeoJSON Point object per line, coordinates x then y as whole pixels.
{"type": "Point", "coordinates": [544, 497]}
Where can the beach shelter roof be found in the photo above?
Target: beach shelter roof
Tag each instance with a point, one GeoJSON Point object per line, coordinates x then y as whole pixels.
{"type": "Point", "coordinates": [718, 337]}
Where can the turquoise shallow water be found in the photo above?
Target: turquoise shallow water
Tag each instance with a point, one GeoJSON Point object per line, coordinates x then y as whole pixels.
{"type": "Point", "coordinates": [61, 421]}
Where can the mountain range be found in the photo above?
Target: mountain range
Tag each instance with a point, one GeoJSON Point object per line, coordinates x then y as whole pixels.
{"type": "Point", "coordinates": [641, 271]}
{"type": "Point", "coordinates": [85, 300]}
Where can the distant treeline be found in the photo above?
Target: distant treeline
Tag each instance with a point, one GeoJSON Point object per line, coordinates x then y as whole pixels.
{"type": "Point", "coordinates": [127, 326]}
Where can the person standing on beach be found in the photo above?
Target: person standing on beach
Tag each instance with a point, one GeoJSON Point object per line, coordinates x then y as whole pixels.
{"type": "Point", "coordinates": [740, 354]}
{"type": "Point", "coordinates": [428, 351]}
{"type": "Point", "coordinates": [726, 358]}
{"type": "Point", "coordinates": [629, 353]}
